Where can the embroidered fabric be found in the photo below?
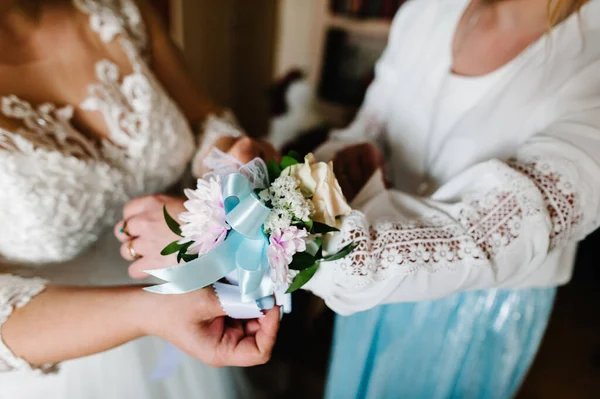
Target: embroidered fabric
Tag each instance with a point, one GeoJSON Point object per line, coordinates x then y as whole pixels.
{"type": "Point", "coordinates": [61, 189]}
{"type": "Point", "coordinates": [213, 129]}
{"type": "Point", "coordinates": [483, 226]}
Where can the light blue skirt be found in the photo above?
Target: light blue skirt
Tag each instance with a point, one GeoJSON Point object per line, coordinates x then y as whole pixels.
{"type": "Point", "coordinates": [471, 345]}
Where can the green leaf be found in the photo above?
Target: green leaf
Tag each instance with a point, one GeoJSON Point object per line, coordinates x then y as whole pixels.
{"type": "Point", "coordinates": [322, 228]}
{"type": "Point", "coordinates": [319, 254]}
{"type": "Point", "coordinates": [173, 225]}
{"type": "Point", "coordinates": [302, 260]}
{"type": "Point", "coordinates": [302, 278]}
{"type": "Point", "coordinates": [183, 250]}
{"type": "Point", "coordinates": [274, 170]}
{"type": "Point", "coordinates": [287, 161]}
{"type": "Point", "coordinates": [308, 225]}
{"type": "Point", "coordinates": [313, 246]}
{"type": "Point", "coordinates": [341, 254]}
{"type": "Point", "coordinates": [188, 258]}
{"type": "Point", "coordinates": [171, 248]}
{"type": "Point", "coordinates": [296, 155]}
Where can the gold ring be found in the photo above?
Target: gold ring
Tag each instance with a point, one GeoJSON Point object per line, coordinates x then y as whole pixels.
{"type": "Point", "coordinates": [132, 252]}
{"type": "Point", "coordinates": [124, 229]}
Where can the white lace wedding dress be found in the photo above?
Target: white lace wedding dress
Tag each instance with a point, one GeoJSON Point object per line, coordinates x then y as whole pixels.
{"type": "Point", "coordinates": [61, 194]}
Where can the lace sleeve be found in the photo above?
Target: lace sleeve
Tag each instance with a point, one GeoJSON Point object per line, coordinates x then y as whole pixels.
{"type": "Point", "coordinates": [213, 129]}
{"type": "Point", "coordinates": [497, 225]}
{"type": "Point", "coordinates": [16, 292]}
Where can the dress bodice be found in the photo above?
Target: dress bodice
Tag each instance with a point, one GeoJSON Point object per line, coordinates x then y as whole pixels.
{"type": "Point", "coordinates": [61, 189]}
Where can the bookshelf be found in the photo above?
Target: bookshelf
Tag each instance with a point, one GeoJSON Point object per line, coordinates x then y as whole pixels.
{"type": "Point", "coordinates": [374, 27]}
{"type": "Point", "coordinates": [334, 28]}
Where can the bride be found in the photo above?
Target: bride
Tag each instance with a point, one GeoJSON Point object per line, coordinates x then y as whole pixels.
{"type": "Point", "coordinates": [95, 111]}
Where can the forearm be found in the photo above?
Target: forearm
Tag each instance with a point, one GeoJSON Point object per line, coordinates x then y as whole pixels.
{"type": "Point", "coordinates": [64, 323]}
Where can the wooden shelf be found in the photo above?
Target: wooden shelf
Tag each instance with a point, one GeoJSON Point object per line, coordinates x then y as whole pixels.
{"type": "Point", "coordinates": [372, 27]}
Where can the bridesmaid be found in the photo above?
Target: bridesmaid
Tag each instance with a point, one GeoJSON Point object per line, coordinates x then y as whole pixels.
{"type": "Point", "coordinates": [489, 111]}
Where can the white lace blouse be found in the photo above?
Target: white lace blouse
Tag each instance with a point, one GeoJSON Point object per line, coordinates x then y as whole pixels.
{"type": "Point", "coordinates": [495, 178]}
{"type": "Point", "coordinates": [60, 190]}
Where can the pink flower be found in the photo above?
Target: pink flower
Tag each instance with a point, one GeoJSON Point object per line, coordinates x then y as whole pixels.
{"type": "Point", "coordinates": [283, 244]}
{"type": "Point", "coordinates": [204, 223]}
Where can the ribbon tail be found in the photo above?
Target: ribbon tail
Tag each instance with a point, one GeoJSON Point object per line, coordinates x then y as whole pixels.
{"type": "Point", "coordinates": [168, 363]}
{"type": "Point", "coordinates": [229, 296]}
{"type": "Point", "coordinates": [199, 273]}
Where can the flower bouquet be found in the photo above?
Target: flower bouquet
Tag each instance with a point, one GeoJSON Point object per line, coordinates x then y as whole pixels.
{"type": "Point", "coordinates": [256, 232]}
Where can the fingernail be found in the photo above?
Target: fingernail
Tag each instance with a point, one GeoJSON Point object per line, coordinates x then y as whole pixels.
{"type": "Point", "coordinates": [280, 313]}
{"type": "Point", "coordinates": [265, 303]}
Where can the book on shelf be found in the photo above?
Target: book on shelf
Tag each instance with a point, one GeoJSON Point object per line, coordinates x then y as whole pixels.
{"type": "Point", "coordinates": [366, 9]}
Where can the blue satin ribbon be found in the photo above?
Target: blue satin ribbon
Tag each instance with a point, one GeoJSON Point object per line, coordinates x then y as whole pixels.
{"type": "Point", "coordinates": [243, 250]}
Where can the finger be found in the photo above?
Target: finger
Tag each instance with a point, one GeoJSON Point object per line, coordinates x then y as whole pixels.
{"type": "Point", "coordinates": [355, 171]}
{"type": "Point", "coordinates": [235, 324]}
{"type": "Point", "coordinates": [138, 224]}
{"type": "Point", "coordinates": [150, 261]}
{"type": "Point", "coordinates": [136, 269]}
{"type": "Point", "coordinates": [267, 335]}
{"type": "Point", "coordinates": [120, 233]}
{"type": "Point", "coordinates": [347, 188]}
{"type": "Point", "coordinates": [225, 143]}
{"type": "Point", "coordinates": [368, 162]}
{"type": "Point", "coordinates": [268, 152]}
{"type": "Point", "coordinates": [252, 327]}
{"type": "Point", "coordinates": [142, 204]}
{"type": "Point", "coordinates": [128, 250]}
{"type": "Point", "coordinates": [244, 150]}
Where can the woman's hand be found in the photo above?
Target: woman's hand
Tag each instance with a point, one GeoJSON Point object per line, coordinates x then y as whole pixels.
{"type": "Point", "coordinates": [245, 149]}
{"type": "Point", "coordinates": [144, 233]}
{"type": "Point", "coordinates": [196, 324]}
{"type": "Point", "coordinates": [355, 165]}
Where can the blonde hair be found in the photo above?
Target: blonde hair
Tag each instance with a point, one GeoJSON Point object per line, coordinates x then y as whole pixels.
{"type": "Point", "coordinates": [559, 10]}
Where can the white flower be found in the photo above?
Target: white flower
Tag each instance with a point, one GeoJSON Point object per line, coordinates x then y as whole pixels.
{"type": "Point", "coordinates": [317, 180]}
{"type": "Point", "coordinates": [391, 257]}
{"type": "Point", "coordinates": [514, 226]}
{"type": "Point", "coordinates": [287, 202]}
{"type": "Point", "coordinates": [278, 219]}
{"type": "Point", "coordinates": [499, 240]}
{"type": "Point", "coordinates": [565, 186]}
{"type": "Point", "coordinates": [468, 249]}
{"type": "Point", "coordinates": [443, 252]}
{"type": "Point", "coordinates": [418, 253]}
{"type": "Point", "coordinates": [265, 195]}
{"type": "Point", "coordinates": [204, 223]}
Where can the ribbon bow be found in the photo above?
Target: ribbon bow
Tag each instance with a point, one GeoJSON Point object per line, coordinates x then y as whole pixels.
{"type": "Point", "coordinates": [241, 258]}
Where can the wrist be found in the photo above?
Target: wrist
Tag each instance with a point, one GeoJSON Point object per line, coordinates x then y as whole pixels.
{"type": "Point", "coordinates": [143, 311]}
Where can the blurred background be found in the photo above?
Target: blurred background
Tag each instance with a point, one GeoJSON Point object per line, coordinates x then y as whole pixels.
{"type": "Point", "coordinates": [291, 70]}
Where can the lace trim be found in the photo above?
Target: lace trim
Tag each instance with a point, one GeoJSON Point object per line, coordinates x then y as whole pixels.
{"type": "Point", "coordinates": [46, 127]}
{"type": "Point", "coordinates": [486, 225]}
{"type": "Point", "coordinates": [559, 196]}
{"type": "Point", "coordinates": [214, 128]}
{"type": "Point", "coordinates": [110, 18]}
{"type": "Point", "coordinates": [16, 292]}
{"type": "Point", "coordinates": [125, 106]}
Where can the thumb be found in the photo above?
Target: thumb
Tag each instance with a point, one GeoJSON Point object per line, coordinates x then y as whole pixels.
{"type": "Point", "coordinates": [267, 335]}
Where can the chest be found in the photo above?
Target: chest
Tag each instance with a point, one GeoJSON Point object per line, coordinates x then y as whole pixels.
{"type": "Point", "coordinates": [436, 123]}
{"type": "Point", "coordinates": [67, 170]}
